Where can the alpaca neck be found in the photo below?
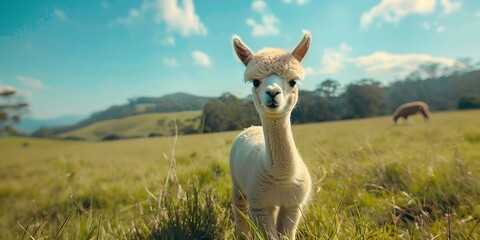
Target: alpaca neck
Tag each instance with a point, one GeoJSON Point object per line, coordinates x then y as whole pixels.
{"type": "Point", "coordinates": [281, 151]}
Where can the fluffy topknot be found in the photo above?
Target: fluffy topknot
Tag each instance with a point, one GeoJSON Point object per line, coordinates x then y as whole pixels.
{"type": "Point", "coordinates": [274, 61]}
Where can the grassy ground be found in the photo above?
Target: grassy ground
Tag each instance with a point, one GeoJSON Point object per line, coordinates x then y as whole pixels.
{"type": "Point", "coordinates": [372, 180]}
{"type": "Point", "coordinates": [135, 126]}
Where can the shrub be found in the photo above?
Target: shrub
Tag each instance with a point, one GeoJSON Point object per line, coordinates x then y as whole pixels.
{"type": "Point", "coordinates": [111, 137]}
{"type": "Point", "coordinates": [469, 102]}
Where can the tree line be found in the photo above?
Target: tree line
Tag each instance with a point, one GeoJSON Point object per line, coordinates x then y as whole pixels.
{"type": "Point", "coordinates": [457, 87]}
{"type": "Point", "coordinates": [12, 106]}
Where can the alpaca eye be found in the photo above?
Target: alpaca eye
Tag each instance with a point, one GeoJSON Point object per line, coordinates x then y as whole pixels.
{"type": "Point", "coordinates": [256, 83]}
{"type": "Point", "coordinates": [292, 83]}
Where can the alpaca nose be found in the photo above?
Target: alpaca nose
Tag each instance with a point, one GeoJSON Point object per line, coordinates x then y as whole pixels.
{"type": "Point", "coordinates": [273, 91]}
{"type": "Point", "coordinates": [272, 94]}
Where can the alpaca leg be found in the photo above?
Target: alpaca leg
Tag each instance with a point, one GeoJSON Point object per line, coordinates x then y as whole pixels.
{"type": "Point", "coordinates": [263, 219]}
{"type": "Point", "coordinates": [287, 222]}
{"type": "Point", "coordinates": [425, 115]}
{"type": "Point", "coordinates": [275, 215]}
{"type": "Point", "coordinates": [240, 213]}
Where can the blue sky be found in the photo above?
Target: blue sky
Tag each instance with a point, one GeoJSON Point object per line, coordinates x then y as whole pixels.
{"type": "Point", "coordinates": [76, 57]}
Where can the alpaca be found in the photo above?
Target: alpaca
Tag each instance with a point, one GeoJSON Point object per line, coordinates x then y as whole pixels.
{"type": "Point", "coordinates": [411, 108]}
{"type": "Point", "coordinates": [271, 183]}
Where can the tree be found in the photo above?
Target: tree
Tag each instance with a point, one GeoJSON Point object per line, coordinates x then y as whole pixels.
{"type": "Point", "coordinates": [469, 102]}
{"type": "Point", "coordinates": [328, 88]}
{"type": "Point", "coordinates": [43, 133]}
{"type": "Point", "coordinates": [228, 113]}
{"type": "Point", "coordinates": [312, 108]}
{"type": "Point", "coordinates": [365, 98]}
{"type": "Point", "coordinates": [431, 69]}
{"type": "Point", "coordinates": [11, 109]}
{"type": "Point", "coordinates": [414, 76]}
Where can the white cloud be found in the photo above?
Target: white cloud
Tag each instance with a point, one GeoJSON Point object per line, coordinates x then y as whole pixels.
{"type": "Point", "coordinates": [379, 64]}
{"type": "Point", "coordinates": [170, 62]}
{"type": "Point", "coordinates": [134, 15]}
{"type": "Point", "coordinates": [28, 45]}
{"type": "Point", "coordinates": [333, 60]}
{"type": "Point", "coordinates": [449, 7]}
{"type": "Point", "coordinates": [201, 58]}
{"type": "Point", "coordinates": [434, 26]}
{"type": "Point", "coordinates": [105, 5]}
{"type": "Point", "coordinates": [180, 19]}
{"type": "Point", "coordinates": [259, 6]}
{"type": "Point", "coordinates": [167, 41]}
{"type": "Point", "coordinates": [310, 71]}
{"type": "Point", "coordinates": [392, 11]}
{"type": "Point", "coordinates": [477, 14]}
{"type": "Point", "coordinates": [299, 2]}
{"type": "Point", "coordinates": [267, 25]}
{"type": "Point", "coordinates": [27, 94]}
{"type": "Point", "coordinates": [396, 65]}
{"type": "Point", "coordinates": [30, 82]}
{"type": "Point", "coordinates": [183, 20]}
{"type": "Point", "coordinates": [426, 26]}
{"type": "Point", "coordinates": [60, 14]}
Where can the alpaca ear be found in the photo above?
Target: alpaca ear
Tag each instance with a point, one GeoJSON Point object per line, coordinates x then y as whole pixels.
{"type": "Point", "coordinates": [301, 50]}
{"type": "Point", "coordinates": [243, 52]}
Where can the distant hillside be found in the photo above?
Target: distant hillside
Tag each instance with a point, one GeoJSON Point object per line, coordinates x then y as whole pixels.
{"type": "Point", "coordinates": [28, 124]}
{"type": "Point", "coordinates": [142, 125]}
{"type": "Point", "coordinates": [176, 102]}
{"type": "Point", "coordinates": [442, 93]}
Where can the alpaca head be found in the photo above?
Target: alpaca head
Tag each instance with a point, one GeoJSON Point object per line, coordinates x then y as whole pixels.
{"type": "Point", "coordinates": [274, 74]}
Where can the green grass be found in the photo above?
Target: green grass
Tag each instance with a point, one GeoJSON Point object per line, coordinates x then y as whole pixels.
{"type": "Point", "coordinates": [372, 180]}
{"type": "Point", "coordinates": [134, 126]}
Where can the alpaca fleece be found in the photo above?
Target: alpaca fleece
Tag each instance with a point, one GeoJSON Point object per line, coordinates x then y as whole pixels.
{"type": "Point", "coordinates": [270, 182]}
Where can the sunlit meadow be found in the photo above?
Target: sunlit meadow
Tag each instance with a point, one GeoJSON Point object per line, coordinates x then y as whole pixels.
{"type": "Point", "coordinates": [372, 180]}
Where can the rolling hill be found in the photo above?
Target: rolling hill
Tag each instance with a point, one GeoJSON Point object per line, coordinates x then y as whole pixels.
{"type": "Point", "coordinates": [176, 102]}
{"type": "Point", "coordinates": [142, 125]}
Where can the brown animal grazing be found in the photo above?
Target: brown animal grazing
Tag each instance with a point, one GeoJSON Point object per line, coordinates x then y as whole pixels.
{"type": "Point", "coordinates": [411, 108]}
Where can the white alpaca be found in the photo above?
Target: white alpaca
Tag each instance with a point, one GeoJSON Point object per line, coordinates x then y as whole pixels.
{"type": "Point", "coordinates": [271, 183]}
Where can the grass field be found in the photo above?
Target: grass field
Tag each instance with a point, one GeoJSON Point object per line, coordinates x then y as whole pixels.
{"type": "Point", "coordinates": [372, 180]}
{"type": "Point", "coordinates": [134, 126]}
